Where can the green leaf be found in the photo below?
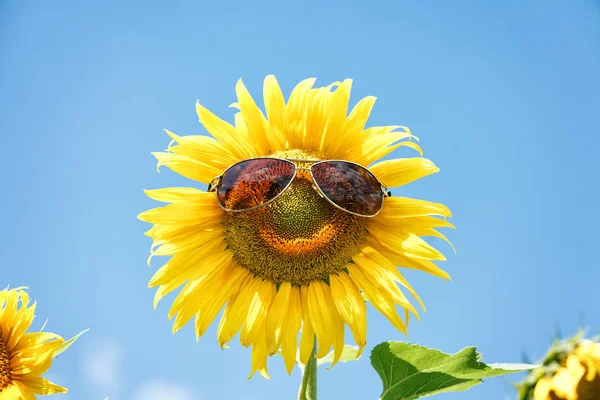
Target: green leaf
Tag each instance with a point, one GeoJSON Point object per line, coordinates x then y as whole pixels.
{"type": "Point", "coordinates": [513, 367]}
{"type": "Point", "coordinates": [68, 344]}
{"type": "Point", "coordinates": [410, 371]}
{"type": "Point", "coordinates": [349, 353]}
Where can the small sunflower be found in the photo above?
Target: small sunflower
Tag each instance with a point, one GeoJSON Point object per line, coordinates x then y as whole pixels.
{"type": "Point", "coordinates": [298, 263]}
{"type": "Point", "coordinates": [24, 357]}
{"type": "Point", "coordinates": [577, 379]}
{"type": "Point", "coordinates": [570, 371]}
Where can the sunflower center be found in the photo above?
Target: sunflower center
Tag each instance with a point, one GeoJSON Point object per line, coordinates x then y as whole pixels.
{"type": "Point", "coordinates": [5, 377]}
{"type": "Point", "coordinates": [300, 237]}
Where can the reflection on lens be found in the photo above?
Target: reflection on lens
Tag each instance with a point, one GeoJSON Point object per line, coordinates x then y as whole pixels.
{"type": "Point", "coordinates": [252, 183]}
{"type": "Point", "coordinates": [349, 186]}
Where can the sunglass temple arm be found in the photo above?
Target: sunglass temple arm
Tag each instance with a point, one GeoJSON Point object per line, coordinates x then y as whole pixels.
{"type": "Point", "coordinates": [385, 191]}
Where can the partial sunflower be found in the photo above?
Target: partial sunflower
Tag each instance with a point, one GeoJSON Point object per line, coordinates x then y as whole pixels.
{"type": "Point", "coordinates": [298, 234]}
{"type": "Point", "coordinates": [24, 357]}
{"type": "Point", "coordinates": [570, 371]}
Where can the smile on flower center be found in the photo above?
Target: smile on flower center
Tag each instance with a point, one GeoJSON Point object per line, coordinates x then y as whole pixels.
{"type": "Point", "coordinates": [5, 376]}
{"type": "Point", "coordinates": [300, 237]}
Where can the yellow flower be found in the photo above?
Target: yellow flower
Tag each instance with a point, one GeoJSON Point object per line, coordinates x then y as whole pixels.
{"type": "Point", "coordinates": [24, 357]}
{"type": "Point", "coordinates": [299, 262]}
{"type": "Point", "coordinates": [577, 379]}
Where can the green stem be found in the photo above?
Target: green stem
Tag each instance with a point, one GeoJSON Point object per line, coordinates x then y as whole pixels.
{"type": "Point", "coordinates": [308, 387]}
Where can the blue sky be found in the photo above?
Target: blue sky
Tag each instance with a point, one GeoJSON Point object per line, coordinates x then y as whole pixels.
{"type": "Point", "coordinates": [504, 96]}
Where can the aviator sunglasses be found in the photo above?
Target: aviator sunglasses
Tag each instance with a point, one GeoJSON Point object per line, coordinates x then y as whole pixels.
{"type": "Point", "coordinates": [253, 183]}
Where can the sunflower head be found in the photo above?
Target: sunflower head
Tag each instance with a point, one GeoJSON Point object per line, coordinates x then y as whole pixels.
{"type": "Point", "coordinates": [298, 265]}
{"type": "Point", "coordinates": [24, 356]}
{"type": "Point", "coordinates": [299, 238]}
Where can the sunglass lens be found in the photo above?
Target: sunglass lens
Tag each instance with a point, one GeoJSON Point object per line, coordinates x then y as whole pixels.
{"type": "Point", "coordinates": [349, 186]}
{"type": "Point", "coordinates": [252, 183]}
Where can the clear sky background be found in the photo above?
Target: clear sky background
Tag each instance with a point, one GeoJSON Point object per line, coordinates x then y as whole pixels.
{"type": "Point", "coordinates": [505, 97]}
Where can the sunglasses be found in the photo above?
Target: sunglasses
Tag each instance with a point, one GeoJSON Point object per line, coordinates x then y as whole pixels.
{"type": "Point", "coordinates": [253, 183]}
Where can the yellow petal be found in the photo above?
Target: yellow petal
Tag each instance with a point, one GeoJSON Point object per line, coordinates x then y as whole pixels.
{"type": "Point", "coordinates": [337, 328]}
{"type": "Point", "coordinates": [254, 120]}
{"type": "Point", "coordinates": [203, 148]}
{"type": "Point", "coordinates": [236, 143]}
{"type": "Point", "coordinates": [33, 340]}
{"type": "Point", "coordinates": [542, 389]}
{"type": "Point", "coordinates": [289, 333]}
{"type": "Point", "coordinates": [350, 306]}
{"type": "Point", "coordinates": [31, 362]}
{"type": "Point", "coordinates": [185, 264]}
{"type": "Point", "coordinates": [412, 145]}
{"type": "Point", "coordinates": [257, 313]}
{"type": "Point", "coordinates": [294, 111]}
{"type": "Point", "coordinates": [19, 391]}
{"type": "Point", "coordinates": [383, 280]}
{"type": "Point", "coordinates": [181, 213]}
{"type": "Point", "coordinates": [408, 262]}
{"type": "Point", "coordinates": [360, 113]}
{"type": "Point", "coordinates": [338, 109]}
{"type": "Point", "coordinates": [187, 167]}
{"type": "Point", "coordinates": [420, 226]}
{"type": "Point", "coordinates": [259, 355]}
{"type": "Point", "coordinates": [21, 323]}
{"type": "Point", "coordinates": [385, 266]}
{"type": "Point", "coordinates": [274, 102]}
{"type": "Point", "coordinates": [407, 244]}
{"type": "Point", "coordinates": [379, 299]}
{"type": "Point", "coordinates": [357, 150]}
{"type": "Point", "coordinates": [423, 223]}
{"type": "Point", "coordinates": [315, 117]}
{"type": "Point", "coordinates": [398, 172]}
{"type": "Point", "coordinates": [277, 315]}
{"type": "Point", "coordinates": [173, 194]}
{"type": "Point", "coordinates": [188, 242]}
{"type": "Point", "coordinates": [185, 304]}
{"type": "Point", "coordinates": [10, 310]}
{"type": "Point", "coordinates": [382, 142]}
{"type": "Point", "coordinates": [44, 386]}
{"type": "Point", "coordinates": [354, 125]}
{"type": "Point", "coordinates": [325, 320]}
{"type": "Point", "coordinates": [167, 233]}
{"type": "Point", "coordinates": [307, 338]}
{"type": "Point", "coordinates": [275, 107]}
{"type": "Point", "coordinates": [403, 207]}
{"type": "Point", "coordinates": [35, 354]}
{"type": "Point", "coordinates": [217, 293]}
{"type": "Point", "coordinates": [319, 319]}
{"type": "Point", "coordinates": [236, 311]}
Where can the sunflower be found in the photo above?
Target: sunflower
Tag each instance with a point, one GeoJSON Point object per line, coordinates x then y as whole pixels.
{"type": "Point", "coordinates": [298, 263]}
{"type": "Point", "coordinates": [24, 357]}
{"type": "Point", "coordinates": [577, 378]}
